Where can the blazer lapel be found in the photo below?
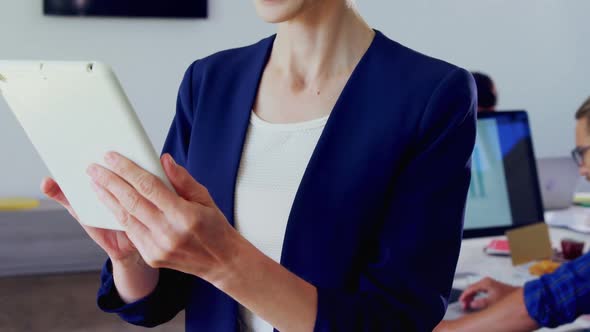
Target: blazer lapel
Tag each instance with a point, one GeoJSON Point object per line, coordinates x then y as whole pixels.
{"type": "Point", "coordinates": [321, 203]}
{"type": "Point", "coordinates": [222, 124]}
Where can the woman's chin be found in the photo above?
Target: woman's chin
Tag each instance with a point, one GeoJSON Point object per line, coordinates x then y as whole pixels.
{"type": "Point", "coordinates": [277, 11]}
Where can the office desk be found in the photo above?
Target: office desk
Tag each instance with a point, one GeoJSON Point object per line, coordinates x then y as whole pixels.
{"type": "Point", "coordinates": [45, 240]}
{"type": "Point", "coordinates": [474, 260]}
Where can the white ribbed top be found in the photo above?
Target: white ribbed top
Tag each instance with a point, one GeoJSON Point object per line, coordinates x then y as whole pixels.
{"type": "Point", "coordinates": [274, 159]}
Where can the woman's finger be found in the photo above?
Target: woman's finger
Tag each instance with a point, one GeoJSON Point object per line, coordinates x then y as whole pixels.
{"type": "Point", "coordinates": [137, 232]}
{"type": "Point", "coordinates": [183, 182]}
{"type": "Point", "coordinates": [128, 198]}
{"type": "Point", "coordinates": [144, 182]}
{"type": "Point", "coordinates": [52, 190]}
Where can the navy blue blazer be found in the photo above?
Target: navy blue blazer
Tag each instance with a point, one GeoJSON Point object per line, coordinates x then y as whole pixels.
{"type": "Point", "coordinates": [376, 224]}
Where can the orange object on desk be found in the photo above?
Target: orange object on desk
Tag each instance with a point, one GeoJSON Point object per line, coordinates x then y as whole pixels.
{"type": "Point", "coordinates": [544, 267]}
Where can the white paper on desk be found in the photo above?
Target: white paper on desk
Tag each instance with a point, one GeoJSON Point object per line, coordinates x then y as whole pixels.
{"type": "Point", "coordinates": [576, 220]}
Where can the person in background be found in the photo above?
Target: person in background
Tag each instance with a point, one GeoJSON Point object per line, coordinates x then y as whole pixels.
{"type": "Point", "coordinates": [550, 301]}
{"type": "Point", "coordinates": [487, 95]}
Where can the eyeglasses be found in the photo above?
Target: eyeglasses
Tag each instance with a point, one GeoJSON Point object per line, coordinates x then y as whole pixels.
{"type": "Point", "coordinates": [578, 154]}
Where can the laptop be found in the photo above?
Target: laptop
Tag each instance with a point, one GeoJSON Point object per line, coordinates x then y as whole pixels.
{"type": "Point", "coordinates": [558, 178]}
{"type": "Point", "coordinates": [504, 192]}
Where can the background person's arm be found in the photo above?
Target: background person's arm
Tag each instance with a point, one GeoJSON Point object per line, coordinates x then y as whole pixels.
{"type": "Point", "coordinates": [507, 315]}
{"type": "Point", "coordinates": [561, 297]}
{"type": "Point", "coordinates": [550, 301]}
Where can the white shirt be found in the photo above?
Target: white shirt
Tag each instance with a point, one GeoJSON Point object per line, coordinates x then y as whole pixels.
{"type": "Point", "coordinates": [274, 159]}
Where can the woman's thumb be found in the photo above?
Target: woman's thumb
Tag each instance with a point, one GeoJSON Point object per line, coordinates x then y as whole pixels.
{"type": "Point", "coordinates": [183, 182]}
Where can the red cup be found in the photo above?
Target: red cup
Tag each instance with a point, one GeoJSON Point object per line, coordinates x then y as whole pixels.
{"type": "Point", "coordinates": [572, 249]}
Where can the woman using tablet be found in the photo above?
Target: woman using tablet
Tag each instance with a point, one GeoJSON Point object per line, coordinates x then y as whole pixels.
{"type": "Point", "coordinates": [320, 180]}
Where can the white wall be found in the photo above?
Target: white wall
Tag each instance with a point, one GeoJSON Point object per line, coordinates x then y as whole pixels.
{"type": "Point", "coordinates": [535, 50]}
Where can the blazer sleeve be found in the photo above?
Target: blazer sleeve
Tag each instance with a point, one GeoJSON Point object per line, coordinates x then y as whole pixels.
{"type": "Point", "coordinates": [171, 293]}
{"type": "Point", "coordinates": [406, 285]}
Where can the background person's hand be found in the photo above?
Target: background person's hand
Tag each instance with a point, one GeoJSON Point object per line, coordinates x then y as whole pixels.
{"type": "Point", "coordinates": [446, 326]}
{"type": "Point", "coordinates": [494, 291]}
{"type": "Point", "coordinates": [115, 243]}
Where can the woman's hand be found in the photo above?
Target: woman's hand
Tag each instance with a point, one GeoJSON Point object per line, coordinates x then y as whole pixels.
{"type": "Point", "coordinates": [182, 230]}
{"type": "Point", "coordinates": [134, 279]}
{"type": "Point", "coordinates": [494, 290]}
{"type": "Point", "coordinates": [185, 231]}
{"type": "Point", "coordinates": [115, 243]}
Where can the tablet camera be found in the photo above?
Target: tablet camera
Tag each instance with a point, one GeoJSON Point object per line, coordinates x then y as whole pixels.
{"type": "Point", "coordinates": [41, 67]}
{"type": "Point", "coordinates": [90, 67]}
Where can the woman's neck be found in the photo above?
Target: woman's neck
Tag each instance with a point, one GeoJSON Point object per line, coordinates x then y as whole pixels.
{"type": "Point", "coordinates": [326, 40]}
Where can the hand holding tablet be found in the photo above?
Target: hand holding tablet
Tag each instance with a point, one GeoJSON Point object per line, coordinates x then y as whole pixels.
{"type": "Point", "coordinates": [74, 113]}
{"type": "Point", "coordinates": [81, 123]}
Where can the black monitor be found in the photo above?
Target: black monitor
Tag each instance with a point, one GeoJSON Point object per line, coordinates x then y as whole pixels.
{"type": "Point", "coordinates": [504, 191]}
{"type": "Point", "coordinates": [128, 8]}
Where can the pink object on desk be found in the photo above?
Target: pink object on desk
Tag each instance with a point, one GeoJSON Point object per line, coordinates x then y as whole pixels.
{"type": "Point", "coordinates": [498, 247]}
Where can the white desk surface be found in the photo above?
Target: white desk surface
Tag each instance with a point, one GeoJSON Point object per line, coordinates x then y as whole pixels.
{"type": "Point", "coordinates": [473, 260]}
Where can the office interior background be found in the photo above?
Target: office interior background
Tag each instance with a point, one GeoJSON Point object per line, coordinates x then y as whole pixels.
{"type": "Point", "coordinates": [537, 52]}
{"type": "Point", "coordinates": [534, 49]}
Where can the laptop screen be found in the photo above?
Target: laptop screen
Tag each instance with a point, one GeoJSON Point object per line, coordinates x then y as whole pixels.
{"type": "Point", "coordinates": [504, 191]}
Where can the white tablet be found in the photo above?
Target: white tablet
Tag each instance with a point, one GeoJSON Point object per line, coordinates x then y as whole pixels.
{"type": "Point", "coordinates": [73, 113]}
